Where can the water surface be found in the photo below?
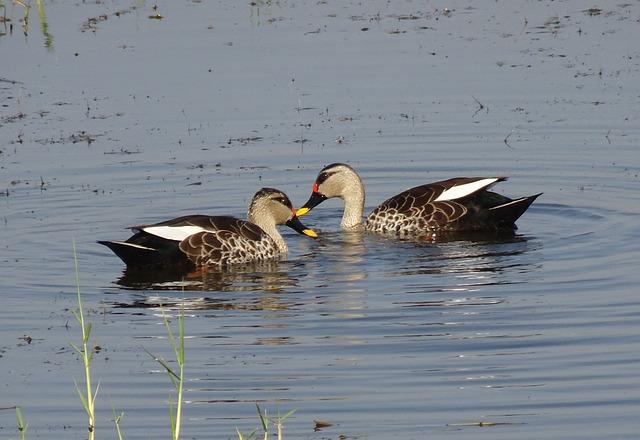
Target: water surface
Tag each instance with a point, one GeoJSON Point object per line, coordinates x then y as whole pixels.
{"type": "Point", "coordinates": [110, 118]}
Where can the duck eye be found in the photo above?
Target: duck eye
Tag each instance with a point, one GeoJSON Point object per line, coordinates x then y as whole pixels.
{"type": "Point", "coordinates": [322, 177]}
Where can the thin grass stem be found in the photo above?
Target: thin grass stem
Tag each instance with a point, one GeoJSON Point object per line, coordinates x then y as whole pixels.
{"type": "Point", "coordinates": [87, 398]}
{"type": "Point", "coordinates": [116, 420]}
{"type": "Point", "coordinates": [177, 378]}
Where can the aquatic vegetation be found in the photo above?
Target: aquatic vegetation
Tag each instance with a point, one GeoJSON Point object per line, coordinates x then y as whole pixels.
{"type": "Point", "coordinates": [177, 378]}
{"type": "Point", "coordinates": [22, 425]}
{"type": "Point", "coordinates": [265, 421]}
{"type": "Point", "coordinates": [24, 21]}
{"type": "Point", "coordinates": [88, 397]}
{"type": "Point", "coordinates": [116, 421]}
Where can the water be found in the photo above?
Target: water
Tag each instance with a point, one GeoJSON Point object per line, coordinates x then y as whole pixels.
{"type": "Point", "coordinates": [126, 119]}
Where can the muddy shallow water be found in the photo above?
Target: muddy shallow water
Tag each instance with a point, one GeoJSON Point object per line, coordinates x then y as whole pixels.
{"type": "Point", "coordinates": [110, 118]}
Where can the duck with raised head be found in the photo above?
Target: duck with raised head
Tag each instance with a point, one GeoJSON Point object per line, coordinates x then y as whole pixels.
{"type": "Point", "coordinates": [192, 241]}
{"type": "Point", "coordinates": [458, 205]}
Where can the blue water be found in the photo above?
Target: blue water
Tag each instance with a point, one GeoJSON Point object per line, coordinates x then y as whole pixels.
{"type": "Point", "coordinates": [130, 120]}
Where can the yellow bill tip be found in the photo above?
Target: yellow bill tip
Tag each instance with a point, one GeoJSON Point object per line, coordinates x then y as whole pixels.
{"type": "Point", "coordinates": [310, 233]}
{"type": "Point", "coordinates": [302, 211]}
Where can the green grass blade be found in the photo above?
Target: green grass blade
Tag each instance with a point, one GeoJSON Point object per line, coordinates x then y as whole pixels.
{"type": "Point", "coordinates": [116, 420]}
{"type": "Point", "coordinates": [22, 425]}
{"type": "Point", "coordinates": [76, 348]}
{"type": "Point", "coordinates": [172, 419]}
{"type": "Point", "coordinates": [83, 399]}
{"type": "Point", "coordinates": [249, 436]}
{"type": "Point", "coordinates": [264, 420]}
{"type": "Point", "coordinates": [96, 393]}
{"type": "Point", "coordinates": [87, 332]}
{"type": "Point", "coordinates": [76, 315]}
{"type": "Point", "coordinates": [287, 415]}
{"type": "Point", "coordinates": [172, 374]}
{"type": "Point", "coordinates": [167, 325]}
{"type": "Point", "coordinates": [87, 398]}
{"type": "Point", "coordinates": [180, 354]}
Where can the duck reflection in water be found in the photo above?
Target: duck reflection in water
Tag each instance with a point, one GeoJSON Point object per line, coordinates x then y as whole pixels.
{"type": "Point", "coordinates": [268, 279]}
{"type": "Point", "coordinates": [270, 276]}
{"type": "Point", "coordinates": [465, 273]}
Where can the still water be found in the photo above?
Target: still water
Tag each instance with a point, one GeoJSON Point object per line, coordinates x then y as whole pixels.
{"type": "Point", "coordinates": [110, 118]}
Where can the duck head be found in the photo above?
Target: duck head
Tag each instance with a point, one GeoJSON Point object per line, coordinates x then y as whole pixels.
{"type": "Point", "coordinates": [270, 205]}
{"type": "Point", "coordinates": [335, 180]}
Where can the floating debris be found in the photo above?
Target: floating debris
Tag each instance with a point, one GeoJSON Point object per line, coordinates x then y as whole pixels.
{"type": "Point", "coordinates": [552, 25]}
{"type": "Point", "coordinates": [82, 136]}
{"type": "Point", "coordinates": [483, 424]}
{"type": "Point", "coordinates": [244, 140]}
{"type": "Point", "coordinates": [156, 15]}
{"type": "Point", "coordinates": [91, 24]}
{"type": "Point", "coordinates": [10, 81]}
{"type": "Point", "coordinates": [13, 118]}
{"type": "Point", "coordinates": [409, 17]}
{"type": "Point", "coordinates": [592, 12]}
{"type": "Point", "coordinates": [320, 424]}
{"type": "Point", "coordinates": [123, 151]}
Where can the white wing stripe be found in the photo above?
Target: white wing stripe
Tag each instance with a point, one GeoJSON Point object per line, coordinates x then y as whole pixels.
{"type": "Point", "coordinates": [459, 191]}
{"type": "Point", "coordinates": [124, 243]}
{"type": "Point", "coordinates": [177, 233]}
{"type": "Point", "coordinates": [508, 203]}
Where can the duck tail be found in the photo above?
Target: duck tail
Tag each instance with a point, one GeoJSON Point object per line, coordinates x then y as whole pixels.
{"type": "Point", "coordinates": [132, 254]}
{"type": "Point", "coordinates": [507, 213]}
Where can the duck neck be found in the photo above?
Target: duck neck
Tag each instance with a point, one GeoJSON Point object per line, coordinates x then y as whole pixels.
{"type": "Point", "coordinates": [353, 207]}
{"type": "Point", "coordinates": [273, 232]}
{"type": "Point", "coordinates": [270, 228]}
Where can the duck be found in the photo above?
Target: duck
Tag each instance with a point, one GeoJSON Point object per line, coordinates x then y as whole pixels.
{"type": "Point", "coordinates": [457, 205]}
{"type": "Point", "coordinates": [196, 241]}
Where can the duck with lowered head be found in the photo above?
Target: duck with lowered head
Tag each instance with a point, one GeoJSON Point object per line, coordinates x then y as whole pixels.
{"type": "Point", "coordinates": [194, 241]}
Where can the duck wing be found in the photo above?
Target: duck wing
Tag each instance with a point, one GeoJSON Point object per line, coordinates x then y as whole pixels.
{"type": "Point", "coordinates": [226, 240]}
{"type": "Point", "coordinates": [179, 228]}
{"type": "Point", "coordinates": [439, 205]}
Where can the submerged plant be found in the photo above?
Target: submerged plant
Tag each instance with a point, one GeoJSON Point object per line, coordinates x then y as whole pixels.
{"type": "Point", "coordinates": [88, 397]}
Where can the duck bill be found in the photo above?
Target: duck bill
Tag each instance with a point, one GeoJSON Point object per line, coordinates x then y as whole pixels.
{"type": "Point", "coordinates": [295, 224]}
{"type": "Point", "coordinates": [315, 199]}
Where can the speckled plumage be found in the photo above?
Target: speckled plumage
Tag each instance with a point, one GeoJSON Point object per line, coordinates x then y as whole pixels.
{"type": "Point", "coordinates": [226, 240]}
{"type": "Point", "coordinates": [461, 204]}
{"type": "Point", "coordinates": [199, 240]}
